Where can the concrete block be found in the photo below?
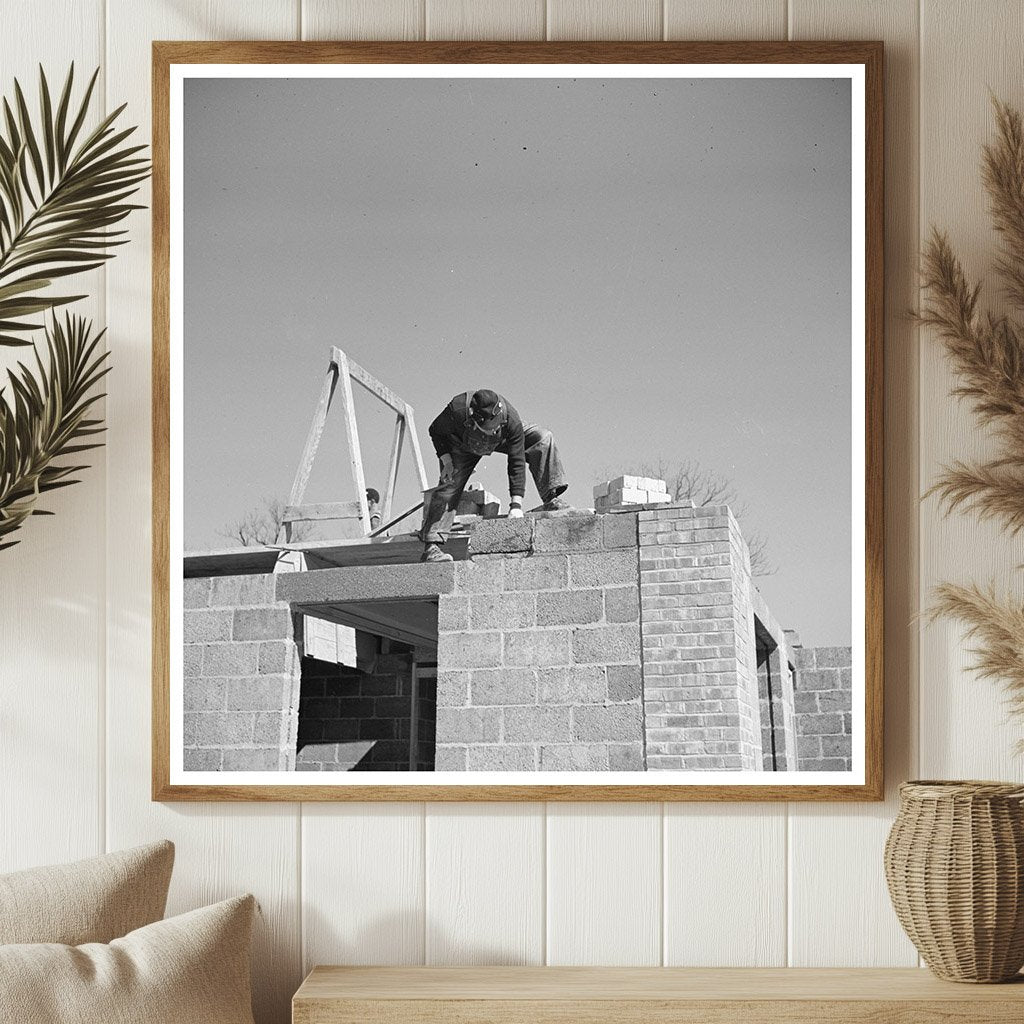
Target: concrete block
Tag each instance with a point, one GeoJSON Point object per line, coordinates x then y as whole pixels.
{"type": "Point", "coordinates": [196, 592]}
{"type": "Point", "coordinates": [831, 700]}
{"type": "Point", "coordinates": [267, 729]}
{"type": "Point", "coordinates": [469, 650]}
{"type": "Point", "coordinates": [204, 624]}
{"type": "Point", "coordinates": [221, 729]}
{"type": "Point", "coordinates": [818, 679]}
{"type": "Point", "coordinates": [538, 572]}
{"type": "Point", "coordinates": [825, 764]}
{"type": "Point", "coordinates": [606, 644]}
{"type": "Point", "coordinates": [569, 607]}
{"type": "Point", "coordinates": [807, 748]}
{"type": "Point", "coordinates": [366, 583]}
{"type": "Point", "coordinates": [537, 648]}
{"type": "Point", "coordinates": [204, 694]}
{"type": "Point", "coordinates": [496, 536]}
{"type": "Point", "coordinates": [625, 682]}
{"type": "Point", "coordinates": [537, 725]}
{"type": "Point", "coordinates": [604, 568]}
{"type": "Point", "coordinates": [580, 532]}
{"type": "Point", "coordinates": [264, 760]}
{"type": "Point", "coordinates": [277, 656]}
{"type": "Point", "coordinates": [479, 575]}
{"type": "Point", "coordinates": [516, 610]}
{"type": "Point", "coordinates": [503, 686]}
{"type": "Point", "coordinates": [621, 723]}
{"type": "Point", "coordinates": [833, 657]}
{"type": "Point", "coordinates": [242, 591]}
{"type": "Point", "coordinates": [259, 693]}
{"type": "Point", "coordinates": [230, 659]}
{"type": "Point", "coordinates": [622, 604]}
{"type": "Point", "coordinates": [591, 757]}
{"type": "Point", "coordinates": [601, 490]}
{"type": "Point", "coordinates": [837, 746]}
{"type": "Point", "coordinates": [626, 757]}
{"type": "Point", "coordinates": [202, 760]}
{"type": "Point", "coordinates": [502, 758]}
{"type": "Point", "coordinates": [450, 759]}
{"type": "Point", "coordinates": [619, 531]}
{"type": "Point", "coordinates": [262, 624]}
{"type": "Point", "coordinates": [572, 684]}
{"type": "Point", "coordinates": [452, 612]}
{"type": "Point", "coordinates": [452, 688]}
{"type": "Point", "coordinates": [468, 725]}
{"type": "Point", "coordinates": [192, 660]}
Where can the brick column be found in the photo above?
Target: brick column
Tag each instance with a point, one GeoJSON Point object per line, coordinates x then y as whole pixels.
{"type": "Point", "coordinates": [700, 673]}
{"type": "Point", "coordinates": [824, 718]}
{"type": "Point", "coordinates": [242, 675]}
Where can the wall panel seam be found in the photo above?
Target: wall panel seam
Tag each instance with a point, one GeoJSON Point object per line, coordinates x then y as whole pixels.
{"type": "Point", "coordinates": [103, 605]}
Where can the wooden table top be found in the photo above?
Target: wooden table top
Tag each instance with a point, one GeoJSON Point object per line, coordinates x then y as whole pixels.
{"type": "Point", "coordinates": [645, 983]}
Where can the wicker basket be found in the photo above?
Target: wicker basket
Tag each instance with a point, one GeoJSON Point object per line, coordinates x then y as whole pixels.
{"type": "Point", "coordinates": [954, 861]}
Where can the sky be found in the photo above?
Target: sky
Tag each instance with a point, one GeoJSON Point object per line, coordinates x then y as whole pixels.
{"type": "Point", "coordinates": [655, 270]}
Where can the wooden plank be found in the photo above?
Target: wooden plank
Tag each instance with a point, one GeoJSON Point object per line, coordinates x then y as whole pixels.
{"type": "Point", "coordinates": [410, 420]}
{"type": "Point", "coordinates": [363, 19]}
{"type": "Point", "coordinates": [316, 430]}
{"type": "Point", "coordinates": [736, 914]}
{"type": "Point", "coordinates": [840, 912]}
{"type": "Point", "coordinates": [610, 995]}
{"type": "Point", "coordinates": [725, 19]}
{"type": "Point", "coordinates": [485, 19]}
{"type": "Point", "coordinates": [363, 884]}
{"type": "Point", "coordinates": [964, 727]}
{"type": "Point", "coordinates": [604, 883]}
{"type": "Point", "coordinates": [352, 433]}
{"type": "Point", "coordinates": [371, 384]}
{"type": "Point", "coordinates": [485, 884]}
{"type": "Point", "coordinates": [215, 844]}
{"type": "Point", "coordinates": [52, 599]}
{"type": "Point", "coordinates": [393, 463]}
{"type": "Point", "coordinates": [583, 19]}
{"type": "Point", "coordinates": [319, 511]}
{"type": "Point", "coordinates": [414, 624]}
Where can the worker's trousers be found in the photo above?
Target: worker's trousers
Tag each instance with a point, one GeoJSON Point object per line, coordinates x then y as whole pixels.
{"type": "Point", "coordinates": [545, 467]}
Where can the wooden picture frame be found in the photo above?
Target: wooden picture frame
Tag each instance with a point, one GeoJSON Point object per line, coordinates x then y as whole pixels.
{"type": "Point", "coordinates": [168, 56]}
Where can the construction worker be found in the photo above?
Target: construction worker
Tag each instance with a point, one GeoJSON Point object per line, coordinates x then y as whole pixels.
{"type": "Point", "coordinates": [475, 424]}
{"type": "Point", "coordinates": [373, 507]}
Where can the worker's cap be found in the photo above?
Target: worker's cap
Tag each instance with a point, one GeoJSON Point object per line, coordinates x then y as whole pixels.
{"type": "Point", "coordinates": [486, 408]}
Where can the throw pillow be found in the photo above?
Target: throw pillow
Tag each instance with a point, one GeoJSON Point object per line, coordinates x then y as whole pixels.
{"type": "Point", "coordinates": [190, 969]}
{"type": "Point", "coordinates": [92, 900]}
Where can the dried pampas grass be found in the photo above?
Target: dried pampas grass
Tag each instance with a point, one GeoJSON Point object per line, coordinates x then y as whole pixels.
{"type": "Point", "coordinates": [987, 354]}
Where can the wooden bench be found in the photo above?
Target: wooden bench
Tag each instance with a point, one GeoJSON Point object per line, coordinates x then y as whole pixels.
{"type": "Point", "coordinates": [630, 995]}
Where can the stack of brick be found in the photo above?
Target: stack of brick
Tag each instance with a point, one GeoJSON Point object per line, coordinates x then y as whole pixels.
{"type": "Point", "coordinates": [824, 706]}
{"type": "Point", "coordinates": [539, 649]}
{"type": "Point", "coordinates": [242, 675]}
{"type": "Point", "coordinates": [475, 501]}
{"type": "Point", "coordinates": [624, 491]}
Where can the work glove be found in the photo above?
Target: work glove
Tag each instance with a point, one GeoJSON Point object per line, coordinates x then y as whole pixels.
{"type": "Point", "coordinates": [515, 512]}
{"type": "Point", "coordinates": [447, 469]}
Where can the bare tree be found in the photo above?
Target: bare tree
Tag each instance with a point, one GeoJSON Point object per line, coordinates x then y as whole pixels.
{"type": "Point", "coordinates": [690, 481]}
{"type": "Point", "coordinates": [261, 525]}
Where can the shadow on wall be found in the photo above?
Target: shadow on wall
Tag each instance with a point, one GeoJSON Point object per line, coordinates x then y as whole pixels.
{"type": "Point", "coordinates": [389, 940]}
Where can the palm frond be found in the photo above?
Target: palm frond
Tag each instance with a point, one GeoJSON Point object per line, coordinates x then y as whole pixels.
{"type": "Point", "coordinates": [62, 192]}
{"type": "Point", "coordinates": [45, 419]}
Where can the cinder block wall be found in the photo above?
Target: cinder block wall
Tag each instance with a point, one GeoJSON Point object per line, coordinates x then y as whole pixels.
{"type": "Point", "coordinates": [823, 702]}
{"type": "Point", "coordinates": [700, 672]}
{"type": "Point", "coordinates": [539, 649]}
{"type": "Point", "coordinates": [241, 676]}
{"type": "Point", "coordinates": [351, 720]}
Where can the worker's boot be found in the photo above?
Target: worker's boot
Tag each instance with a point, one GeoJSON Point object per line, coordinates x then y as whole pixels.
{"type": "Point", "coordinates": [553, 502]}
{"type": "Point", "coordinates": [433, 553]}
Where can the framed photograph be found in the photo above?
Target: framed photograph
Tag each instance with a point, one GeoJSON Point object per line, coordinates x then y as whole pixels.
{"type": "Point", "coordinates": [517, 421]}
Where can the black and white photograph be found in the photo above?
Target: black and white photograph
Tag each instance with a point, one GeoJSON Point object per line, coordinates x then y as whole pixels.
{"type": "Point", "coordinates": [517, 425]}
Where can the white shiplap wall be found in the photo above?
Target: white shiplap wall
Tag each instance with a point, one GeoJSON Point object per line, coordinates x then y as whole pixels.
{"type": "Point", "coordinates": [515, 883]}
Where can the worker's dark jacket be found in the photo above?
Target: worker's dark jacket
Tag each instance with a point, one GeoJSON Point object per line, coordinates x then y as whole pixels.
{"type": "Point", "coordinates": [454, 432]}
